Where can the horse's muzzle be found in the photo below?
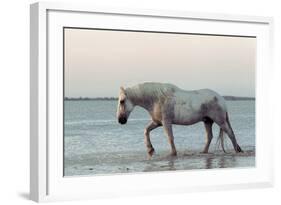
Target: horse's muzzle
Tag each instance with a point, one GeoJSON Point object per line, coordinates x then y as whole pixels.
{"type": "Point", "coordinates": [122, 120]}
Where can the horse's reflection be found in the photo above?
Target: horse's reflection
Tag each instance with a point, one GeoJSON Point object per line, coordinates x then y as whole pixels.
{"type": "Point", "coordinates": [171, 164]}
{"type": "Point", "coordinates": [207, 162]}
{"type": "Point", "coordinates": [219, 162]}
{"type": "Point", "coordinates": [166, 165]}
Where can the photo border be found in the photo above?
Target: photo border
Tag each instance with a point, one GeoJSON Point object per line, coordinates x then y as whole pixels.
{"type": "Point", "coordinates": [39, 144]}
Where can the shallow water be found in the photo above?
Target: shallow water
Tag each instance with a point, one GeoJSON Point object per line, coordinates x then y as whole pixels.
{"type": "Point", "coordinates": [95, 143]}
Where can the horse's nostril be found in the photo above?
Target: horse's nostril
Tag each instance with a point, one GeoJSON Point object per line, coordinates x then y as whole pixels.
{"type": "Point", "coordinates": [122, 120]}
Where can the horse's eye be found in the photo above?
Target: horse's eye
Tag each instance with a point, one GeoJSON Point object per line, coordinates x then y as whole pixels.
{"type": "Point", "coordinates": [122, 101]}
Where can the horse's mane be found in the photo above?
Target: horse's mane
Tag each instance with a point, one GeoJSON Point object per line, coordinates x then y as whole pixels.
{"type": "Point", "coordinates": [151, 91]}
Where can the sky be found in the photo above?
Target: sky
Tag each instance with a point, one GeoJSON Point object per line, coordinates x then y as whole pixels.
{"type": "Point", "coordinates": [98, 62]}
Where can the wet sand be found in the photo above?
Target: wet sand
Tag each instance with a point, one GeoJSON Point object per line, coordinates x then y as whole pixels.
{"type": "Point", "coordinates": [131, 162]}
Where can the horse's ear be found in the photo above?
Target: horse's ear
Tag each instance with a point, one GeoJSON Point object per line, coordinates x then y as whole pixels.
{"type": "Point", "coordinates": [122, 89]}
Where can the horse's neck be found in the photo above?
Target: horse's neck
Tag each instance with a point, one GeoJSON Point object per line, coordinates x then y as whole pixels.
{"type": "Point", "coordinates": [145, 102]}
{"type": "Point", "coordinates": [142, 103]}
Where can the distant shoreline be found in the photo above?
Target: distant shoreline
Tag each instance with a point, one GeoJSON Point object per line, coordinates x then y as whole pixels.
{"type": "Point", "coordinates": [228, 98]}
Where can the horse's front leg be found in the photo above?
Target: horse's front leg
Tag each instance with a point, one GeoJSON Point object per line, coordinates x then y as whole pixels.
{"type": "Point", "coordinates": [151, 126]}
{"type": "Point", "coordinates": [167, 125]}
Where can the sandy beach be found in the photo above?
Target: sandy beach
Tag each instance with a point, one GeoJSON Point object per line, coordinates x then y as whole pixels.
{"type": "Point", "coordinates": [113, 163]}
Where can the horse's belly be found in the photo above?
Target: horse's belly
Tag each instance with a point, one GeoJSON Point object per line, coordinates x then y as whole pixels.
{"type": "Point", "coordinates": [184, 115]}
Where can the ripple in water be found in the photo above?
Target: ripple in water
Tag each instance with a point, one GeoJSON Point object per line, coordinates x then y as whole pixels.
{"type": "Point", "coordinates": [94, 143]}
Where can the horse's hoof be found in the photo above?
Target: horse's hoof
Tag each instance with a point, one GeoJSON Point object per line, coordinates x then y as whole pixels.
{"type": "Point", "coordinates": [204, 152]}
{"type": "Point", "coordinates": [239, 149]}
{"type": "Point", "coordinates": [150, 151]}
{"type": "Point", "coordinates": [173, 154]}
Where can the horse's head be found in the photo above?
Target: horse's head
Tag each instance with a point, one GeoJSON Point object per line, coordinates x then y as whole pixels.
{"type": "Point", "coordinates": [124, 108]}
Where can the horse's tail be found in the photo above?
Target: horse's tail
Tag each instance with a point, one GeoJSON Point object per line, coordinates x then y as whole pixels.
{"type": "Point", "coordinates": [221, 138]}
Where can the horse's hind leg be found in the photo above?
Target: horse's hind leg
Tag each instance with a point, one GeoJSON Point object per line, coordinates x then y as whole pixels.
{"type": "Point", "coordinates": [208, 123]}
{"type": "Point", "coordinates": [150, 127]}
{"type": "Point", "coordinates": [226, 127]}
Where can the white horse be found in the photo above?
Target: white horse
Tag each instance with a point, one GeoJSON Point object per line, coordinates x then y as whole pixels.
{"type": "Point", "coordinates": [168, 104]}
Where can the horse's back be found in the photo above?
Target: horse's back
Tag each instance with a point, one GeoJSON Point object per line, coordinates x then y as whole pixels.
{"type": "Point", "coordinates": [199, 96]}
{"type": "Point", "coordinates": [193, 106]}
{"type": "Point", "coordinates": [207, 95]}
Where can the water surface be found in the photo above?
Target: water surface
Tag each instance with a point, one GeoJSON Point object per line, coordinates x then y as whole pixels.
{"type": "Point", "coordinates": [94, 143]}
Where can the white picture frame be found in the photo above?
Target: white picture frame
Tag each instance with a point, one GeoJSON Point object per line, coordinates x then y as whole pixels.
{"type": "Point", "coordinates": [46, 164]}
